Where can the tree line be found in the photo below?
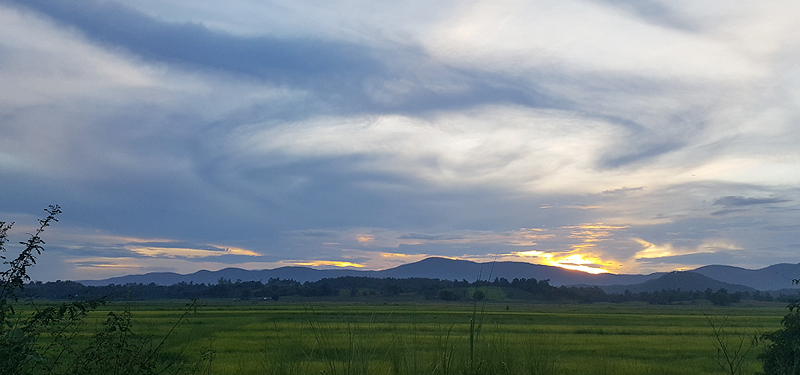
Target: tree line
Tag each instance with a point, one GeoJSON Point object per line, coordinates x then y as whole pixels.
{"type": "Point", "coordinates": [357, 287]}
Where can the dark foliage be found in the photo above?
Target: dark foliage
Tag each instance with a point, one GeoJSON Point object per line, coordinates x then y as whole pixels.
{"type": "Point", "coordinates": [49, 340]}
{"type": "Point", "coordinates": [782, 354]}
{"type": "Point", "coordinates": [358, 287]}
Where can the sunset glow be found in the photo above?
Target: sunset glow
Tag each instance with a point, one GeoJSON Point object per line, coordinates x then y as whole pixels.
{"type": "Point", "coordinates": [365, 238]}
{"type": "Point", "coordinates": [334, 263]}
{"type": "Point", "coordinates": [572, 262]}
{"type": "Point", "coordinates": [578, 263]}
{"type": "Point", "coordinates": [172, 252]}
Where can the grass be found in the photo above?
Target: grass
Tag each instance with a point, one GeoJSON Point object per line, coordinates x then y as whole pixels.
{"type": "Point", "coordinates": [453, 338]}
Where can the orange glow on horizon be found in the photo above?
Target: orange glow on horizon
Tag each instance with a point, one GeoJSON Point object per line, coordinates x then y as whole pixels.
{"type": "Point", "coordinates": [573, 262]}
{"type": "Point", "coordinates": [316, 263]}
{"type": "Point", "coordinates": [587, 269]}
{"type": "Point", "coordinates": [579, 263]}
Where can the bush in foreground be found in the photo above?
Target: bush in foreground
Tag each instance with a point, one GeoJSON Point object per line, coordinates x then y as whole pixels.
{"type": "Point", "coordinates": [48, 340]}
{"type": "Point", "coordinates": [782, 355]}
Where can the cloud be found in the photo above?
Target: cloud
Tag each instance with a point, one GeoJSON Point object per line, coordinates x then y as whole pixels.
{"type": "Point", "coordinates": [334, 263]}
{"type": "Point", "coordinates": [192, 44]}
{"type": "Point", "coordinates": [576, 262]}
{"type": "Point", "coordinates": [378, 260]}
{"type": "Point", "coordinates": [652, 251]}
{"type": "Point", "coordinates": [514, 146]}
{"type": "Point", "coordinates": [641, 154]}
{"type": "Point", "coordinates": [726, 212]}
{"type": "Point", "coordinates": [738, 201]}
{"type": "Point", "coordinates": [622, 191]}
{"type": "Point", "coordinates": [89, 264]}
{"type": "Point", "coordinates": [365, 238]}
{"type": "Point", "coordinates": [566, 34]}
{"type": "Point", "coordinates": [174, 252]}
{"type": "Point", "coordinates": [657, 13]}
{"type": "Point", "coordinates": [350, 76]}
{"type": "Point", "coordinates": [291, 129]}
{"type": "Point", "coordinates": [521, 237]}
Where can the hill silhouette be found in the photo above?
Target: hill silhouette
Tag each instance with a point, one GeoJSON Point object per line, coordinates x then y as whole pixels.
{"type": "Point", "coordinates": [776, 277]}
{"type": "Point", "coordinates": [679, 280]}
{"type": "Point", "coordinates": [434, 268]}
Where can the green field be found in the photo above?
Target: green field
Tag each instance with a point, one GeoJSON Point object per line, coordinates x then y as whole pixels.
{"type": "Point", "coordinates": [398, 337]}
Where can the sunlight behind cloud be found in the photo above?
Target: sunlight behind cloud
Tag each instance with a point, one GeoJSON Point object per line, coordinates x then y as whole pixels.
{"type": "Point", "coordinates": [104, 265]}
{"type": "Point", "coordinates": [316, 263]}
{"type": "Point", "coordinates": [365, 238]}
{"type": "Point", "coordinates": [575, 262]}
{"type": "Point", "coordinates": [578, 263]}
{"type": "Point", "coordinates": [653, 251]}
{"type": "Point", "coordinates": [378, 260]}
{"type": "Point", "coordinates": [534, 253]}
{"type": "Point", "coordinates": [397, 255]}
{"type": "Point", "coordinates": [173, 252]}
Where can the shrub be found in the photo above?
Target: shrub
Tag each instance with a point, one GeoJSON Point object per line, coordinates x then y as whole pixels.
{"type": "Point", "coordinates": [782, 354]}
{"type": "Point", "coordinates": [47, 340]}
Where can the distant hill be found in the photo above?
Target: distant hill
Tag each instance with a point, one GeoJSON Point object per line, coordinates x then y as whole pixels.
{"type": "Point", "coordinates": [301, 274]}
{"type": "Point", "coordinates": [686, 281]}
{"type": "Point", "coordinates": [770, 278]}
{"type": "Point", "coordinates": [449, 269]}
{"type": "Point", "coordinates": [775, 277]}
{"type": "Point", "coordinates": [434, 268]}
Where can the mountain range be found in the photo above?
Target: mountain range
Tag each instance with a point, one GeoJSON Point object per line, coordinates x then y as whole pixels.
{"type": "Point", "coordinates": [772, 278]}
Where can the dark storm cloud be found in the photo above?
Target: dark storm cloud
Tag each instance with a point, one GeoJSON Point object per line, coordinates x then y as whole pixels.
{"type": "Point", "coordinates": [272, 59]}
{"type": "Point", "coordinates": [725, 212]}
{"type": "Point", "coordinates": [739, 201]}
{"type": "Point", "coordinates": [93, 251]}
{"type": "Point", "coordinates": [339, 72]}
{"type": "Point", "coordinates": [333, 192]}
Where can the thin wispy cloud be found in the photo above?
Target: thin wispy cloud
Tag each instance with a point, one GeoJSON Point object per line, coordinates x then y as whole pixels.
{"type": "Point", "coordinates": [733, 201]}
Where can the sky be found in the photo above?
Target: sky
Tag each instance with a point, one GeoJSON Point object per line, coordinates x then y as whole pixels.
{"type": "Point", "coordinates": [600, 135]}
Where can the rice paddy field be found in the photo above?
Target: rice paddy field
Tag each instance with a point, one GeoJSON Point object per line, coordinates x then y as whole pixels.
{"type": "Point", "coordinates": [405, 337]}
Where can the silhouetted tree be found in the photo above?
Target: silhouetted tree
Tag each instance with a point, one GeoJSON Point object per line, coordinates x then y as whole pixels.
{"type": "Point", "coordinates": [41, 342]}
{"type": "Point", "coordinates": [782, 354]}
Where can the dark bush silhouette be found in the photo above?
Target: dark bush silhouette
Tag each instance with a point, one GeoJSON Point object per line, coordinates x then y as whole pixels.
{"type": "Point", "coordinates": [782, 354]}
{"type": "Point", "coordinates": [45, 341]}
